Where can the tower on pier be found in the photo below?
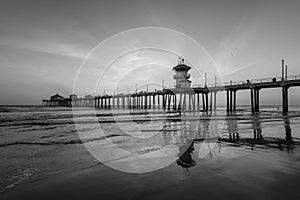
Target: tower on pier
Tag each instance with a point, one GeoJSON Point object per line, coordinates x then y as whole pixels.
{"type": "Point", "coordinates": [181, 76]}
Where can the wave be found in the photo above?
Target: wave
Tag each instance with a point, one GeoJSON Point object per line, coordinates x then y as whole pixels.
{"type": "Point", "coordinates": [24, 175]}
{"type": "Point", "coordinates": [77, 141]}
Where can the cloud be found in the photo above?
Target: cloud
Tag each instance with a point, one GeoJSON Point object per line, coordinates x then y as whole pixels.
{"type": "Point", "coordinates": [243, 67]}
{"type": "Point", "coordinates": [51, 47]}
{"type": "Point", "coordinates": [232, 47]}
{"type": "Point", "coordinates": [137, 68]}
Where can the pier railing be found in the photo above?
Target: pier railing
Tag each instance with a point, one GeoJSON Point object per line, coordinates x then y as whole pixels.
{"type": "Point", "coordinates": [244, 82]}
{"type": "Point", "coordinates": [252, 81]}
{"type": "Point", "coordinates": [293, 77]}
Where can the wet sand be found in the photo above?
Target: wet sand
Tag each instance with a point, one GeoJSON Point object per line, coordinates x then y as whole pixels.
{"type": "Point", "coordinates": [255, 157]}
{"type": "Point", "coordinates": [235, 174]}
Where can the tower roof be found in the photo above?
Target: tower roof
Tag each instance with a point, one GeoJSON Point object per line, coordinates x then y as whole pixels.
{"type": "Point", "coordinates": [181, 67]}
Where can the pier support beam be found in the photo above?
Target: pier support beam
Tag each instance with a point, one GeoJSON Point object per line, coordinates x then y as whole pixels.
{"type": "Point", "coordinates": [257, 101]}
{"type": "Point", "coordinates": [230, 104]}
{"type": "Point", "coordinates": [203, 102]}
{"type": "Point", "coordinates": [190, 102]}
{"type": "Point", "coordinates": [198, 101]}
{"type": "Point", "coordinates": [174, 101]}
{"type": "Point", "coordinates": [184, 102]}
{"type": "Point", "coordinates": [169, 101]}
{"type": "Point", "coordinates": [234, 100]}
{"type": "Point", "coordinates": [215, 101]}
{"type": "Point", "coordinates": [211, 101]}
{"type": "Point", "coordinates": [206, 98]}
{"type": "Point", "coordinates": [194, 101]}
{"type": "Point", "coordinates": [227, 98]}
{"type": "Point", "coordinates": [129, 102]}
{"type": "Point", "coordinates": [252, 100]}
{"type": "Point", "coordinates": [231, 100]}
{"type": "Point", "coordinates": [164, 101]}
{"type": "Point", "coordinates": [179, 105]}
{"type": "Point", "coordinates": [158, 100]}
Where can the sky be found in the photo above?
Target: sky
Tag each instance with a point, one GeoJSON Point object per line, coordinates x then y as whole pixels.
{"type": "Point", "coordinates": [96, 47]}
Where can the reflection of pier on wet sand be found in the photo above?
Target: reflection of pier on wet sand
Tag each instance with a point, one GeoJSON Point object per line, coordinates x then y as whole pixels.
{"type": "Point", "coordinates": [209, 131]}
{"type": "Point", "coordinates": [212, 144]}
{"type": "Point", "coordinates": [259, 141]}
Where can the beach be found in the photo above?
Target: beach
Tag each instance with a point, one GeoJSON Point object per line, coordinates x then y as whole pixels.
{"type": "Point", "coordinates": [212, 156]}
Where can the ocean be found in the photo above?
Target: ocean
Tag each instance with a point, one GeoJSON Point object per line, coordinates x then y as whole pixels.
{"type": "Point", "coordinates": [57, 152]}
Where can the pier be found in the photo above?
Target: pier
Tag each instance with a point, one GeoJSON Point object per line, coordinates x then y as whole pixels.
{"type": "Point", "coordinates": [184, 96]}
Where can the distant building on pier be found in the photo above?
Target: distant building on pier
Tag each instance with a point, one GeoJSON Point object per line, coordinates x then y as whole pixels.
{"type": "Point", "coordinates": [57, 100]}
{"type": "Point", "coordinates": [181, 76]}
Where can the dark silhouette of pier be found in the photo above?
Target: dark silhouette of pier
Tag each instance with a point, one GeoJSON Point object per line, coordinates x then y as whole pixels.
{"type": "Point", "coordinates": [186, 97]}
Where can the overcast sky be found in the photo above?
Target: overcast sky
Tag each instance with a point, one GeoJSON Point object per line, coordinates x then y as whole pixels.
{"type": "Point", "coordinates": [43, 44]}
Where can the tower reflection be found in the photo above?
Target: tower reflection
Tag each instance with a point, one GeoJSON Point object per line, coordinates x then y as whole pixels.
{"type": "Point", "coordinates": [185, 159]}
{"type": "Point", "coordinates": [288, 135]}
